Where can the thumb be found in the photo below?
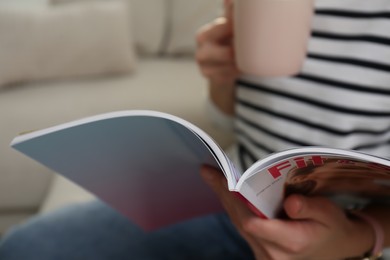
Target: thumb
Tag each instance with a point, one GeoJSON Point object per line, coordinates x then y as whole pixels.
{"type": "Point", "coordinates": [228, 8]}
{"type": "Point", "coordinates": [214, 178]}
{"type": "Point", "coordinates": [313, 208]}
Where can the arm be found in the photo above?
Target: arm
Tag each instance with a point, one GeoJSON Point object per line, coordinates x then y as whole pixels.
{"type": "Point", "coordinates": [316, 228]}
{"type": "Point", "coordinates": [215, 57]}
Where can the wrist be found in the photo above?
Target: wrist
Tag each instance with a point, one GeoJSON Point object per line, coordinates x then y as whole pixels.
{"type": "Point", "coordinates": [376, 251]}
{"type": "Point", "coordinates": [375, 236]}
{"type": "Point", "coordinates": [218, 117]}
{"type": "Point", "coordinates": [223, 97]}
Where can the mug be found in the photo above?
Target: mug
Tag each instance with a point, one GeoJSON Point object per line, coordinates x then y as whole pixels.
{"type": "Point", "coordinates": [271, 36]}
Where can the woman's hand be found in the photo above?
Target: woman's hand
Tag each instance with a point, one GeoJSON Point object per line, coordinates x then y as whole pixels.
{"type": "Point", "coordinates": [316, 228]}
{"type": "Point", "coordinates": [215, 53]}
{"type": "Point", "coordinates": [215, 57]}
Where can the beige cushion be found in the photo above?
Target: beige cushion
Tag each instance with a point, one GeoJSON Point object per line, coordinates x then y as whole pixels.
{"type": "Point", "coordinates": [166, 26]}
{"type": "Point", "coordinates": [62, 42]}
{"type": "Point", "coordinates": [32, 3]}
{"type": "Point", "coordinates": [149, 19]}
{"type": "Point", "coordinates": [187, 17]}
{"type": "Point", "coordinates": [148, 22]}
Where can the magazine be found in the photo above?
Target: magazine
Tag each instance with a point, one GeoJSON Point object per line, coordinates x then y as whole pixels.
{"type": "Point", "coordinates": [146, 165]}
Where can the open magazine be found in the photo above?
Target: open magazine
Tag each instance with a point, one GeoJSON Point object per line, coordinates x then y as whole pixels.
{"type": "Point", "coordinates": [146, 165]}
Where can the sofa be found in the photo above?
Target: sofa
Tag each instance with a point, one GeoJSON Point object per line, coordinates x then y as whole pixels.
{"type": "Point", "coordinates": [62, 60]}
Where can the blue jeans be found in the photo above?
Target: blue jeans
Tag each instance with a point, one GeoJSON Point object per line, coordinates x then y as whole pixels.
{"type": "Point", "coordinates": [95, 231]}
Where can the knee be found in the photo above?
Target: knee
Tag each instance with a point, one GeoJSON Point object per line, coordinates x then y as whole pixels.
{"type": "Point", "coordinates": [40, 236]}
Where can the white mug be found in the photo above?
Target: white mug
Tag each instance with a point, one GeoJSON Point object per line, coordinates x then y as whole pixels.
{"type": "Point", "coordinates": [271, 36]}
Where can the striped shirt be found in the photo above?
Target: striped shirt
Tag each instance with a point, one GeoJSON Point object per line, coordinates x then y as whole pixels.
{"type": "Point", "coordinates": [341, 97]}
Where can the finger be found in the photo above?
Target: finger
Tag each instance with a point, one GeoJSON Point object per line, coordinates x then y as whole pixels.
{"type": "Point", "coordinates": [274, 234]}
{"type": "Point", "coordinates": [216, 180]}
{"type": "Point", "coordinates": [223, 76]}
{"type": "Point", "coordinates": [285, 235]}
{"type": "Point", "coordinates": [211, 53]}
{"type": "Point", "coordinates": [228, 8]}
{"type": "Point", "coordinates": [219, 31]}
{"type": "Point", "coordinates": [319, 209]}
{"type": "Point", "coordinates": [304, 223]}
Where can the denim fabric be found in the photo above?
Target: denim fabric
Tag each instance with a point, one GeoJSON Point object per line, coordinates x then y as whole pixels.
{"type": "Point", "coordinates": [95, 231]}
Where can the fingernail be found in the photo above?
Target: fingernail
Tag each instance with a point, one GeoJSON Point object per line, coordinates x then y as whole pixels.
{"type": "Point", "coordinates": [298, 205]}
{"type": "Point", "coordinates": [294, 205]}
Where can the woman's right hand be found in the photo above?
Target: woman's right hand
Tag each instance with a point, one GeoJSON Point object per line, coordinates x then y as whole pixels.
{"type": "Point", "coordinates": [215, 52]}
{"type": "Point", "coordinates": [216, 60]}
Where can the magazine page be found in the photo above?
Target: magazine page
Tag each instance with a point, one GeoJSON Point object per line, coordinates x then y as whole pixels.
{"type": "Point", "coordinates": [343, 174]}
{"type": "Point", "coordinates": [145, 164]}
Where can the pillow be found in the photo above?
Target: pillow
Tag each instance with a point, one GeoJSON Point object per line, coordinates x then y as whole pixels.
{"type": "Point", "coordinates": [68, 41]}
{"type": "Point", "coordinates": [167, 27]}
{"type": "Point", "coordinates": [32, 3]}
{"type": "Point", "coordinates": [148, 19]}
{"type": "Point", "coordinates": [187, 17]}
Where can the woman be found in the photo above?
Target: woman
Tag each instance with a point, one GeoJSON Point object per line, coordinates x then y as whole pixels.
{"type": "Point", "coordinates": [341, 98]}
